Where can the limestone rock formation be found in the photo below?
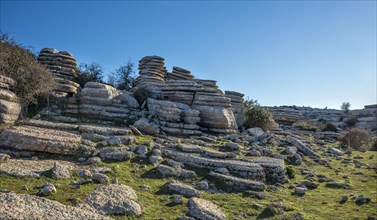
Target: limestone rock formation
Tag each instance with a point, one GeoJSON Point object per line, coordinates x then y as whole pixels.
{"type": "Point", "coordinates": [204, 210]}
{"type": "Point", "coordinates": [9, 104]}
{"type": "Point", "coordinates": [22, 207]}
{"type": "Point", "coordinates": [63, 66]}
{"type": "Point", "coordinates": [114, 199]}
{"type": "Point", "coordinates": [38, 139]}
{"type": "Point", "coordinates": [238, 106]}
{"type": "Point", "coordinates": [104, 102]}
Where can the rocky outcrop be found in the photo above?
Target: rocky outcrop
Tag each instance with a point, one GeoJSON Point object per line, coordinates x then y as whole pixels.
{"type": "Point", "coordinates": [180, 87]}
{"type": "Point", "coordinates": [63, 66]}
{"type": "Point", "coordinates": [238, 106]}
{"type": "Point", "coordinates": [238, 183]}
{"type": "Point", "coordinates": [20, 206]}
{"type": "Point", "coordinates": [114, 199]}
{"type": "Point", "coordinates": [204, 210]}
{"type": "Point", "coordinates": [285, 115]}
{"type": "Point", "coordinates": [9, 103]}
{"type": "Point", "coordinates": [38, 139]}
{"type": "Point", "coordinates": [100, 101]}
{"type": "Point", "coordinates": [174, 118]}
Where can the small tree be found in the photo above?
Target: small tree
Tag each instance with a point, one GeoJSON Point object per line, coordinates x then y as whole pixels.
{"type": "Point", "coordinates": [123, 77]}
{"type": "Point", "coordinates": [345, 107]}
{"type": "Point", "coordinates": [89, 73]}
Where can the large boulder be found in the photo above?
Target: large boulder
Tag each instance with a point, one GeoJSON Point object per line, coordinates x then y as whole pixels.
{"type": "Point", "coordinates": [31, 138]}
{"type": "Point", "coordinates": [204, 210]}
{"type": "Point", "coordinates": [114, 199]}
{"type": "Point", "coordinates": [24, 206]}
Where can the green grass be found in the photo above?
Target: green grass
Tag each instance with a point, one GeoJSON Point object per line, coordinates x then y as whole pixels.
{"type": "Point", "coordinates": [136, 173]}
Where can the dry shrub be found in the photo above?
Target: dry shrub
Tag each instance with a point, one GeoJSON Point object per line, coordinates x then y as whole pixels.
{"type": "Point", "coordinates": [33, 81]}
{"type": "Point", "coordinates": [357, 138]}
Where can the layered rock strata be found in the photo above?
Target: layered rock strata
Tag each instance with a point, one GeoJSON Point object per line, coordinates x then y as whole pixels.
{"type": "Point", "coordinates": [63, 66]}
{"type": "Point", "coordinates": [104, 102]}
{"type": "Point", "coordinates": [10, 107]}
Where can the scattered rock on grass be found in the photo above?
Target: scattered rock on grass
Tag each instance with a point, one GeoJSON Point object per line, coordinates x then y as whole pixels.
{"type": "Point", "coordinates": [204, 210]}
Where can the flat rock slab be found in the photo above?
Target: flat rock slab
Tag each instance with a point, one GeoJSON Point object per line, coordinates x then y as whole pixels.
{"type": "Point", "coordinates": [40, 139]}
{"type": "Point", "coordinates": [204, 210]}
{"type": "Point", "coordinates": [19, 206]}
{"type": "Point", "coordinates": [114, 199]}
{"type": "Point", "coordinates": [30, 168]}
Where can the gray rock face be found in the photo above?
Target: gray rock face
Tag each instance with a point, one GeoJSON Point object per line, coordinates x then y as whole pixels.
{"type": "Point", "coordinates": [9, 103]}
{"type": "Point", "coordinates": [114, 199]}
{"type": "Point", "coordinates": [238, 107]}
{"type": "Point", "coordinates": [285, 116]}
{"type": "Point", "coordinates": [147, 127]}
{"type": "Point", "coordinates": [115, 153]}
{"type": "Point", "coordinates": [174, 118]}
{"type": "Point", "coordinates": [104, 102]}
{"type": "Point", "coordinates": [204, 210]}
{"type": "Point", "coordinates": [60, 171]}
{"type": "Point", "coordinates": [301, 147]}
{"type": "Point", "coordinates": [40, 139]}
{"type": "Point", "coordinates": [245, 169]}
{"type": "Point", "coordinates": [300, 191]}
{"type": "Point", "coordinates": [24, 206]}
{"type": "Point", "coordinates": [239, 183]}
{"type": "Point", "coordinates": [182, 189]}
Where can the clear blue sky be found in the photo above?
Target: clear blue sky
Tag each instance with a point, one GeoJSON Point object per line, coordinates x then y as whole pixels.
{"type": "Point", "coordinates": [311, 53]}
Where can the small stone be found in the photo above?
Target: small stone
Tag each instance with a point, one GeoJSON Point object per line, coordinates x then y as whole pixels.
{"type": "Point", "coordinates": [60, 171]}
{"type": "Point", "coordinates": [84, 173]}
{"type": "Point", "coordinates": [255, 152]}
{"type": "Point", "coordinates": [100, 178]}
{"type": "Point", "coordinates": [144, 188]}
{"type": "Point", "coordinates": [202, 185]}
{"type": "Point", "coordinates": [300, 191]}
{"type": "Point", "coordinates": [115, 180]}
{"type": "Point", "coordinates": [343, 200]}
{"type": "Point", "coordinates": [142, 150]}
{"type": "Point", "coordinates": [47, 190]}
{"type": "Point", "coordinates": [177, 199]}
{"type": "Point", "coordinates": [81, 159]}
{"type": "Point", "coordinates": [94, 160]}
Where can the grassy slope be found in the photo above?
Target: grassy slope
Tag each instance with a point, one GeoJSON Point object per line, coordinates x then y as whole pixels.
{"type": "Point", "coordinates": [233, 204]}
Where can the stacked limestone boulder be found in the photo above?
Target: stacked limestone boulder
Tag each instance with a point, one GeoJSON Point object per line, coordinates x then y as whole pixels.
{"type": "Point", "coordinates": [9, 103]}
{"type": "Point", "coordinates": [215, 110]}
{"type": "Point", "coordinates": [237, 106]}
{"type": "Point", "coordinates": [152, 70]}
{"type": "Point", "coordinates": [179, 73]}
{"type": "Point", "coordinates": [104, 102]}
{"type": "Point", "coordinates": [285, 115]}
{"type": "Point", "coordinates": [63, 66]}
{"type": "Point", "coordinates": [174, 118]}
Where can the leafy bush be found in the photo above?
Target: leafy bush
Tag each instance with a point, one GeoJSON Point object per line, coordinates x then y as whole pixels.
{"type": "Point", "coordinates": [373, 146]}
{"type": "Point", "coordinates": [89, 73]}
{"type": "Point", "coordinates": [34, 83]}
{"type": "Point", "coordinates": [257, 116]}
{"type": "Point", "coordinates": [357, 138]}
{"type": "Point", "coordinates": [305, 126]}
{"type": "Point", "coordinates": [291, 172]}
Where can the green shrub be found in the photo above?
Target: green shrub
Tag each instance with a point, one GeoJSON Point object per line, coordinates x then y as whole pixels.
{"type": "Point", "coordinates": [351, 122]}
{"type": "Point", "coordinates": [305, 126]}
{"type": "Point", "coordinates": [34, 82]}
{"type": "Point", "coordinates": [257, 116]}
{"type": "Point", "coordinates": [291, 172]}
{"type": "Point", "coordinates": [357, 138]}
